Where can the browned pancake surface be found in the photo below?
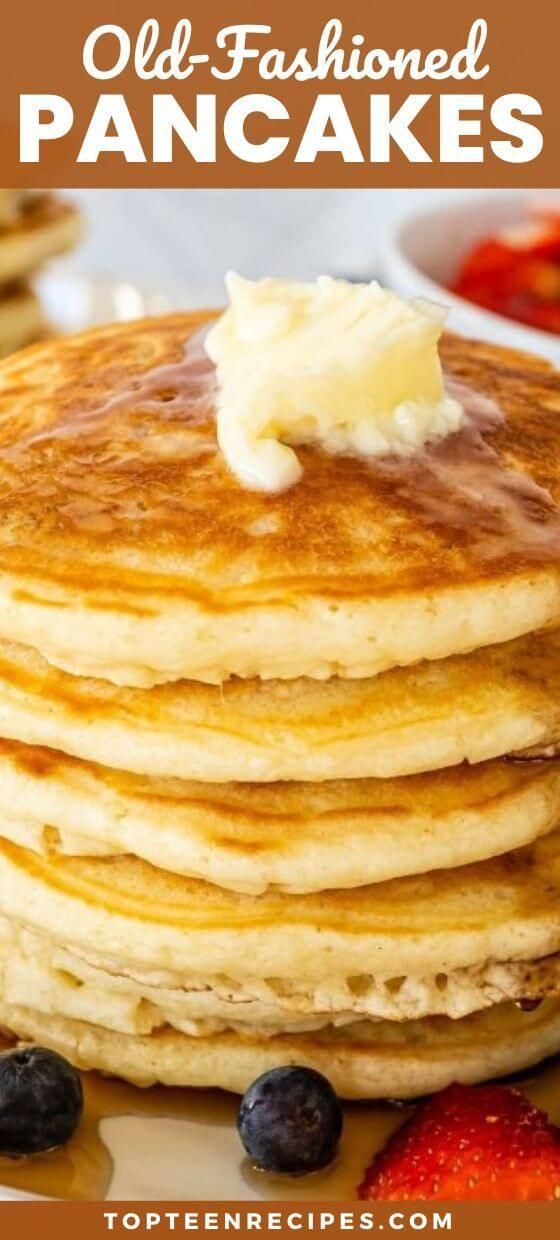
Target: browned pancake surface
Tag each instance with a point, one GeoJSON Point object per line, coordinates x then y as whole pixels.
{"type": "Point", "coordinates": [109, 479]}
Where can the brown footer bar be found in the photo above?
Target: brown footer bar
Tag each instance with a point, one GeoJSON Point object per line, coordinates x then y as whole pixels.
{"type": "Point", "coordinates": [91, 1220]}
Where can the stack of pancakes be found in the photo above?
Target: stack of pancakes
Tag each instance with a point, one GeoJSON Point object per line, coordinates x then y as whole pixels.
{"type": "Point", "coordinates": [34, 227]}
{"type": "Point", "coordinates": [259, 803]}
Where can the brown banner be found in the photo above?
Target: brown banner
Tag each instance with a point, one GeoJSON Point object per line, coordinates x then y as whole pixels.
{"type": "Point", "coordinates": [88, 1221]}
{"type": "Point", "coordinates": [495, 122]}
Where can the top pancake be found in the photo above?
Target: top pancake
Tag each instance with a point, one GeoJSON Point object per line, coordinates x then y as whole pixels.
{"type": "Point", "coordinates": [129, 552]}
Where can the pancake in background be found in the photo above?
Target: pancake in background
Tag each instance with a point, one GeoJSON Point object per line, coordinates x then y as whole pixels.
{"type": "Point", "coordinates": [299, 837]}
{"type": "Point", "coordinates": [128, 551]}
{"type": "Point", "coordinates": [46, 228]}
{"type": "Point", "coordinates": [339, 951]}
{"type": "Point", "coordinates": [474, 707]}
{"type": "Point", "coordinates": [366, 1060]}
{"type": "Point", "coordinates": [13, 202]}
{"type": "Point", "coordinates": [21, 318]}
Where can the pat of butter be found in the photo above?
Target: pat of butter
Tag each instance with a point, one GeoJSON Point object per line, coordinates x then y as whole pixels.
{"type": "Point", "coordinates": [351, 367]}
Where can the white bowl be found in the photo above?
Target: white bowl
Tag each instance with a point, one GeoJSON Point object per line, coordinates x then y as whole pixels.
{"type": "Point", "coordinates": [422, 253]}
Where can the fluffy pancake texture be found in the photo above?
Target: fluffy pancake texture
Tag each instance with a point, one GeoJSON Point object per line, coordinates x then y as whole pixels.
{"type": "Point", "coordinates": [365, 1060]}
{"type": "Point", "coordinates": [128, 551]}
{"type": "Point", "coordinates": [298, 837]}
{"type": "Point", "coordinates": [470, 707]}
{"type": "Point", "coordinates": [63, 981]}
{"type": "Point", "coordinates": [146, 924]}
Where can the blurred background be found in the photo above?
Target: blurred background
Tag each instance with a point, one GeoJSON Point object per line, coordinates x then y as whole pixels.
{"type": "Point", "coordinates": [182, 241]}
{"type": "Point", "coordinates": [492, 257]}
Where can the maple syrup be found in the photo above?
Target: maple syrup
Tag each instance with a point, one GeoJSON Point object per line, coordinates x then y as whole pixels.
{"type": "Point", "coordinates": [84, 1170]}
{"type": "Point", "coordinates": [461, 485]}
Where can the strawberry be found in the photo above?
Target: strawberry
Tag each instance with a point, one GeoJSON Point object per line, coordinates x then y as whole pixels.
{"type": "Point", "coordinates": [485, 1143]}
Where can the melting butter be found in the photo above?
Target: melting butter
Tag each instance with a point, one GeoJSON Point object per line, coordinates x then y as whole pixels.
{"type": "Point", "coordinates": [351, 367]}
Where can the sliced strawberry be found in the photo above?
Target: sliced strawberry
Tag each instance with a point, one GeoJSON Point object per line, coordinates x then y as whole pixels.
{"type": "Point", "coordinates": [482, 1143]}
{"type": "Point", "coordinates": [517, 273]}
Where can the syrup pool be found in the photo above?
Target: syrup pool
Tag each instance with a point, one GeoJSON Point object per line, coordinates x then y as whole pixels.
{"type": "Point", "coordinates": [181, 1144]}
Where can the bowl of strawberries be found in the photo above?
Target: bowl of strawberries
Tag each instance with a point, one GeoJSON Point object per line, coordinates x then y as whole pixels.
{"type": "Point", "coordinates": [493, 259]}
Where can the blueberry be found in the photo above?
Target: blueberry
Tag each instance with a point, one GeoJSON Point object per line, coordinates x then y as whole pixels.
{"type": "Point", "coordinates": [290, 1119]}
{"type": "Point", "coordinates": [41, 1101]}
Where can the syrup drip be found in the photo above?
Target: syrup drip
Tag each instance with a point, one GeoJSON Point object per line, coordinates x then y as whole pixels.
{"type": "Point", "coordinates": [461, 484]}
{"type": "Point", "coordinates": [528, 1005]}
{"type": "Point", "coordinates": [183, 390]}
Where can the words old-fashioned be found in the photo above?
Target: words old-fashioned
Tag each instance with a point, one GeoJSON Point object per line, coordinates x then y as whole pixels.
{"type": "Point", "coordinates": [258, 127]}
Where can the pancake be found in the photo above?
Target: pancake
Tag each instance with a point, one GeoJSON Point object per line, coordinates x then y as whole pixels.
{"type": "Point", "coordinates": [363, 1061]}
{"type": "Point", "coordinates": [129, 552]}
{"type": "Point", "coordinates": [298, 837]}
{"type": "Point", "coordinates": [47, 227]}
{"type": "Point", "coordinates": [21, 318]}
{"type": "Point", "coordinates": [338, 950]}
{"type": "Point", "coordinates": [471, 707]}
{"type": "Point", "coordinates": [13, 202]}
{"type": "Point", "coordinates": [64, 982]}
